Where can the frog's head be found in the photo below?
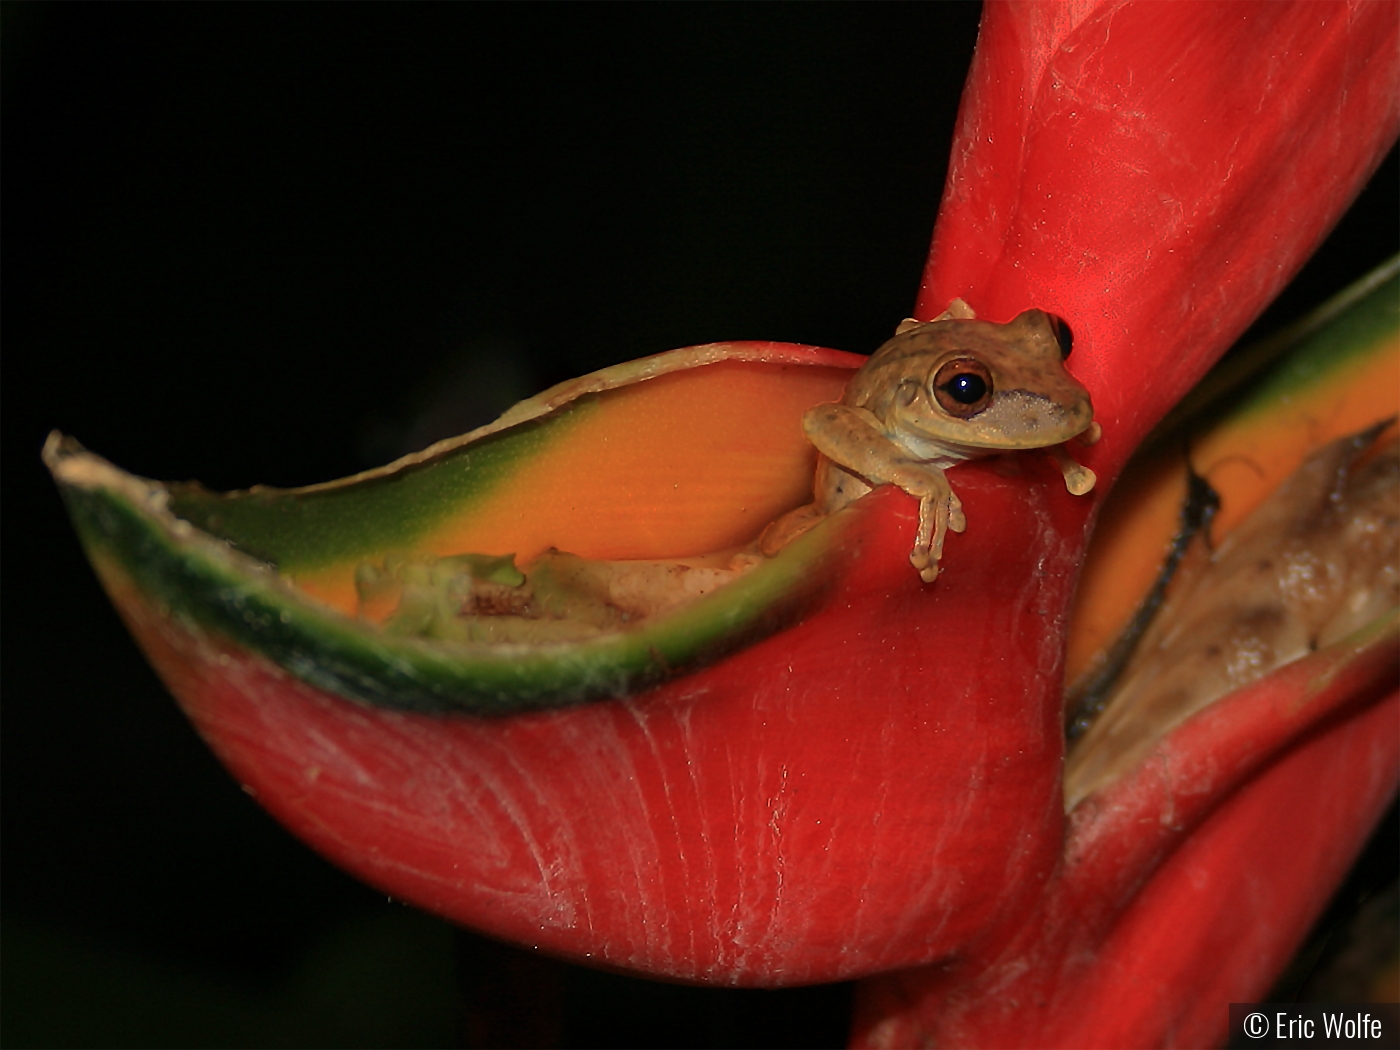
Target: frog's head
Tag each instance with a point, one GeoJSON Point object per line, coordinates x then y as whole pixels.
{"type": "Point", "coordinates": [985, 385]}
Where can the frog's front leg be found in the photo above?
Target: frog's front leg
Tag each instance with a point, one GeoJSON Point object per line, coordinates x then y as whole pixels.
{"type": "Point", "coordinates": [938, 512]}
{"type": "Point", "coordinates": [853, 439]}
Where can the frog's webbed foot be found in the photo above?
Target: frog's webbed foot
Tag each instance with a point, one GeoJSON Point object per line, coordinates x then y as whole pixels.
{"type": "Point", "coordinates": [1079, 479]}
{"type": "Point", "coordinates": [780, 533]}
{"type": "Point", "coordinates": [938, 513]}
{"type": "Point", "coordinates": [957, 311]}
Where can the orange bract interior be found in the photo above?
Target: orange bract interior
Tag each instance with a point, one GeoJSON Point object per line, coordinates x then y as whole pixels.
{"type": "Point", "coordinates": [1244, 460]}
{"type": "Point", "coordinates": [689, 463]}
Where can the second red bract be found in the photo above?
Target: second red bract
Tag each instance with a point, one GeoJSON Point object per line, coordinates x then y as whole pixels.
{"type": "Point", "coordinates": [878, 787]}
{"type": "Point", "coordinates": [1156, 173]}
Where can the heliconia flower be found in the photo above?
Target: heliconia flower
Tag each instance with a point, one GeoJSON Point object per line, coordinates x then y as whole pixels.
{"type": "Point", "coordinates": [829, 769]}
{"type": "Point", "coordinates": [1197, 861]}
{"type": "Point", "coordinates": [1155, 173]}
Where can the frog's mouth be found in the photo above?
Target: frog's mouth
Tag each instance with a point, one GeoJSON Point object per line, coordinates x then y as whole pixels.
{"type": "Point", "coordinates": [1021, 419]}
{"type": "Point", "coordinates": [1018, 419]}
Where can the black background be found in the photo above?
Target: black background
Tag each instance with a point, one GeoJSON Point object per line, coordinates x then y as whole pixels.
{"type": "Point", "coordinates": [281, 244]}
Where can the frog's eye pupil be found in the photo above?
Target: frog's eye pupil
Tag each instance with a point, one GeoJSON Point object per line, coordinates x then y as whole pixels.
{"type": "Point", "coordinates": [966, 388]}
{"type": "Point", "coordinates": [963, 387]}
{"type": "Point", "coordinates": [1063, 335]}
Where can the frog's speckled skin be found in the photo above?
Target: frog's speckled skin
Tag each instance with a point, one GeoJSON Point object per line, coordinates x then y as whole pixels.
{"type": "Point", "coordinates": [895, 426]}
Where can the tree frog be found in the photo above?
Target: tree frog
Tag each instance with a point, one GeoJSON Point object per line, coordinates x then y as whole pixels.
{"type": "Point", "coordinates": [938, 393]}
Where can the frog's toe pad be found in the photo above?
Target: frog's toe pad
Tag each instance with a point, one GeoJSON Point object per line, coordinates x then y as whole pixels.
{"type": "Point", "coordinates": [926, 562]}
{"type": "Point", "coordinates": [1081, 482]}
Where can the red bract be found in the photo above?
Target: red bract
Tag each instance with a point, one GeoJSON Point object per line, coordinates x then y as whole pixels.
{"type": "Point", "coordinates": [1156, 174]}
{"type": "Point", "coordinates": [1185, 885]}
{"type": "Point", "coordinates": [879, 786]}
{"type": "Point", "coordinates": [800, 812]}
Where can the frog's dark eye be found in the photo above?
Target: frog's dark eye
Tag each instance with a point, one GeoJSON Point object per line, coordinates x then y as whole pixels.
{"type": "Point", "coordinates": [963, 387]}
{"type": "Point", "coordinates": [1063, 335]}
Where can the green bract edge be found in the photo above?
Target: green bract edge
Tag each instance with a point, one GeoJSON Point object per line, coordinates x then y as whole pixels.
{"type": "Point", "coordinates": [1339, 333]}
{"type": "Point", "coordinates": [301, 530]}
{"type": "Point", "coordinates": [189, 574]}
{"type": "Point", "coordinates": [309, 528]}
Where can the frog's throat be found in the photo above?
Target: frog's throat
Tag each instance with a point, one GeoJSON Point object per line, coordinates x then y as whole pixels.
{"type": "Point", "coordinates": [936, 451]}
